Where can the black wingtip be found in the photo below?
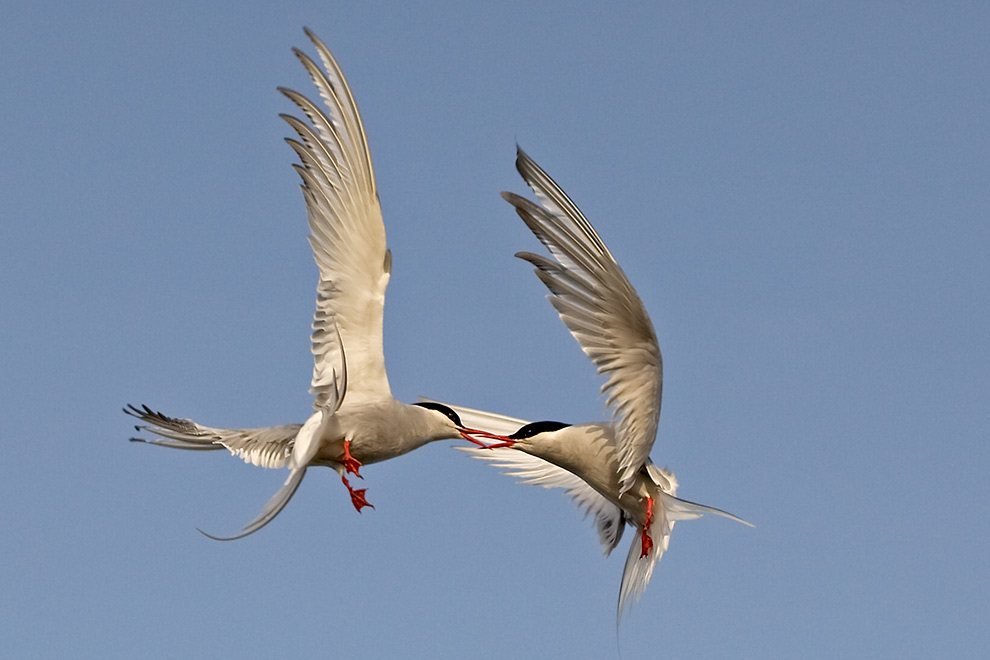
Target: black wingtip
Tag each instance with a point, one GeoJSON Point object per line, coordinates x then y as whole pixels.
{"type": "Point", "coordinates": [522, 160]}
{"type": "Point", "coordinates": [315, 39]}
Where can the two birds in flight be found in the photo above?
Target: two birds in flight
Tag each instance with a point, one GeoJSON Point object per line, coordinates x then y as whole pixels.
{"type": "Point", "coordinates": [604, 466]}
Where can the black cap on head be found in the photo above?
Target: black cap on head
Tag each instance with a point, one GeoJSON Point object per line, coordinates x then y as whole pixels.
{"type": "Point", "coordinates": [440, 408]}
{"type": "Point", "coordinates": [535, 428]}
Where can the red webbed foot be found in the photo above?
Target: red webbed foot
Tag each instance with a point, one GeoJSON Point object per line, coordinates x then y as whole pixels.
{"type": "Point", "coordinates": [647, 541]}
{"type": "Point", "coordinates": [357, 495]}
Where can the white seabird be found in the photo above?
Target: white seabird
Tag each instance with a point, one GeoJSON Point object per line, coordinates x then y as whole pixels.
{"type": "Point", "coordinates": [357, 421]}
{"type": "Point", "coordinates": [604, 466]}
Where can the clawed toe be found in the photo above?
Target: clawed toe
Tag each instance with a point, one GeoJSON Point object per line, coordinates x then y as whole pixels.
{"type": "Point", "coordinates": [357, 495]}
{"type": "Point", "coordinates": [358, 499]}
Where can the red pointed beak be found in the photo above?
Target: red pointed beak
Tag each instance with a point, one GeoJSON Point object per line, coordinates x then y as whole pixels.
{"type": "Point", "coordinates": [503, 440]}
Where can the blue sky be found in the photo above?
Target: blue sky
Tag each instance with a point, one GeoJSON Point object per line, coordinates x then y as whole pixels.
{"type": "Point", "coordinates": [799, 192]}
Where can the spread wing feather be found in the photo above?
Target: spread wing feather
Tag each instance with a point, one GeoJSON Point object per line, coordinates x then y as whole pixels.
{"type": "Point", "coordinates": [600, 307]}
{"type": "Point", "coordinates": [268, 447]}
{"type": "Point", "coordinates": [347, 233]}
{"type": "Point", "coordinates": [535, 471]}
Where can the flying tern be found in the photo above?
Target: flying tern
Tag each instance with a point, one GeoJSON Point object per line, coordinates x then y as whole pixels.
{"type": "Point", "coordinates": [604, 466]}
{"type": "Point", "coordinates": [356, 419]}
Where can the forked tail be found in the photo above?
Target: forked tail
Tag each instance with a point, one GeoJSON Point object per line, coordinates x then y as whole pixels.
{"type": "Point", "coordinates": [639, 568]}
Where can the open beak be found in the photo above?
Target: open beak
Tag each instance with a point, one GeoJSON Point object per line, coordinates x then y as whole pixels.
{"type": "Point", "coordinates": [503, 440]}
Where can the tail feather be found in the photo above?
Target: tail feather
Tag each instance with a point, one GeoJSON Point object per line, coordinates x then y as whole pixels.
{"type": "Point", "coordinates": [678, 509]}
{"type": "Point", "coordinates": [638, 569]}
{"type": "Point", "coordinates": [272, 509]}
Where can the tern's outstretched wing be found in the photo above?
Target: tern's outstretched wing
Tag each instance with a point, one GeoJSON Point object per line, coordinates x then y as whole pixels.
{"type": "Point", "coordinates": [535, 471]}
{"type": "Point", "coordinates": [600, 307]}
{"type": "Point", "coordinates": [268, 447]}
{"type": "Point", "coordinates": [538, 472]}
{"type": "Point", "coordinates": [346, 232]}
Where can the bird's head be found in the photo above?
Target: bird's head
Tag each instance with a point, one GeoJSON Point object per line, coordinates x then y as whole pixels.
{"type": "Point", "coordinates": [448, 418]}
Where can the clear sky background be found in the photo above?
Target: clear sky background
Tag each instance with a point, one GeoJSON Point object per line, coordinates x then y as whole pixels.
{"type": "Point", "coordinates": [800, 193]}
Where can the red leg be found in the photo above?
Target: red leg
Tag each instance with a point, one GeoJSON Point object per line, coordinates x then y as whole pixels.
{"type": "Point", "coordinates": [357, 495]}
{"type": "Point", "coordinates": [647, 541]}
{"type": "Point", "coordinates": [351, 464]}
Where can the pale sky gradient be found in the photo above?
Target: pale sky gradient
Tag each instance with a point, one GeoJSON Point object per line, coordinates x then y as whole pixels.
{"type": "Point", "coordinates": [800, 193]}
